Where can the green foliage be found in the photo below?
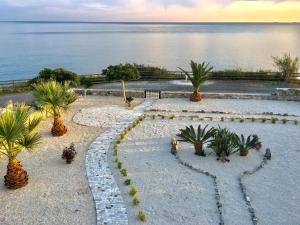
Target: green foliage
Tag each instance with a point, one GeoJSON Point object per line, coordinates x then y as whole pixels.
{"type": "Point", "coordinates": [190, 135]}
{"type": "Point", "coordinates": [274, 119]}
{"type": "Point", "coordinates": [253, 119]}
{"type": "Point", "coordinates": [147, 71]}
{"type": "Point", "coordinates": [243, 143]}
{"type": "Point", "coordinates": [123, 172]}
{"type": "Point", "coordinates": [135, 201]}
{"type": "Point", "coordinates": [287, 65]}
{"type": "Point", "coordinates": [119, 165]}
{"type": "Point", "coordinates": [263, 120]}
{"type": "Point", "coordinates": [232, 119]}
{"type": "Point", "coordinates": [163, 116]}
{"type": "Point", "coordinates": [210, 118]}
{"type": "Point", "coordinates": [172, 116]}
{"type": "Point", "coordinates": [132, 191]}
{"type": "Point", "coordinates": [53, 97]}
{"type": "Point", "coordinates": [18, 130]}
{"type": "Point", "coordinates": [199, 74]}
{"type": "Point", "coordinates": [60, 75]}
{"type": "Point", "coordinates": [153, 116]}
{"type": "Point", "coordinates": [192, 117]}
{"type": "Point", "coordinates": [222, 119]}
{"type": "Point", "coordinates": [86, 81]}
{"type": "Point", "coordinates": [242, 120]}
{"type": "Point", "coordinates": [121, 72]}
{"type": "Point", "coordinates": [284, 120]}
{"type": "Point", "coordinates": [202, 118]}
{"type": "Point", "coordinates": [141, 216]}
{"type": "Point", "coordinates": [223, 142]}
{"type": "Point", "coordinates": [296, 122]}
{"type": "Point", "coordinates": [127, 182]}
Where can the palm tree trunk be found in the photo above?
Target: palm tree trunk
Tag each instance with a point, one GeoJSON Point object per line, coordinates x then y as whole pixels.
{"type": "Point", "coordinates": [196, 96]}
{"type": "Point", "coordinates": [16, 176]}
{"type": "Point", "coordinates": [58, 129]}
{"type": "Point", "coordinates": [199, 149]}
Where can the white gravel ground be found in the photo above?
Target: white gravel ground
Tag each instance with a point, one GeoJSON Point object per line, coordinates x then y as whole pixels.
{"type": "Point", "coordinates": [239, 106]}
{"type": "Point", "coordinates": [173, 194]}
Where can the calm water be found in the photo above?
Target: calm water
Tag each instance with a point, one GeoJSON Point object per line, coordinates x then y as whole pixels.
{"type": "Point", "coordinates": [25, 48]}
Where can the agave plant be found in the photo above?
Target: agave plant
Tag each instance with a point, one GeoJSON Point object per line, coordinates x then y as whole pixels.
{"type": "Point", "coordinates": [17, 132]}
{"type": "Point", "coordinates": [54, 97]}
{"type": "Point", "coordinates": [197, 138]}
{"type": "Point", "coordinates": [223, 143]}
{"type": "Point", "coordinates": [199, 75]}
{"type": "Point", "coordinates": [245, 144]}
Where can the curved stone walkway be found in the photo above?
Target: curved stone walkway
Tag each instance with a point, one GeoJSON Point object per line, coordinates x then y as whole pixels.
{"type": "Point", "coordinates": [110, 207]}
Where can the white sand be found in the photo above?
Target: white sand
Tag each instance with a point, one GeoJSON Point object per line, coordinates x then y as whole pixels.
{"type": "Point", "coordinates": [238, 106]}
{"type": "Point", "coordinates": [173, 194]}
{"type": "Point", "coordinates": [57, 193]}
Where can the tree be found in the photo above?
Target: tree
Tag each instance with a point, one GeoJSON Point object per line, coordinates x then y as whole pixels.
{"type": "Point", "coordinates": [17, 132]}
{"type": "Point", "coordinates": [199, 75]}
{"type": "Point", "coordinates": [54, 97]}
{"type": "Point", "coordinates": [286, 65]}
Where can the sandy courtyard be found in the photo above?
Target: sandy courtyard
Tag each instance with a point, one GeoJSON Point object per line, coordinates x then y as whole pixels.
{"type": "Point", "coordinates": [57, 193]}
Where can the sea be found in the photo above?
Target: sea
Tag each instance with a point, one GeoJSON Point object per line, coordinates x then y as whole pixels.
{"type": "Point", "coordinates": [89, 47]}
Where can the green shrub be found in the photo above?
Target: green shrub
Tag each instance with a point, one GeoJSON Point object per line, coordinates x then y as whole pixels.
{"type": "Point", "coordinates": [119, 165]}
{"type": "Point", "coordinates": [242, 120]}
{"type": "Point", "coordinates": [287, 65]}
{"type": "Point", "coordinates": [86, 81]}
{"type": "Point", "coordinates": [222, 119]}
{"type": "Point", "coordinates": [123, 172]}
{"type": "Point", "coordinates": [127, 182]}
{"type": "Point", "coordinates": [253, 119]}
{"type": "Point", "coordinates": [163, 116]}
{"type": "Point", "coordinates": [141, 216]}
{"type": "Point", "coordinates": [232, 119]}
{"type": "Point", "coordinates": [147, 71]}
{"type": "Point", "coordinates": [284, 120]}
{"type": "Point", "coordinates": [135, 201]}
{"type": "Point", "coordinates": [153, 116]}
{"type": "Point", "coordinates": [192, 117]}
{"type": "Point", "coordinates": [121, 72]}
{"type": "Point", "coordinates": [172, 116]}
{"type": "Point", "coordinates": [210, 118]}
{"type": "Point", "coordinates": [132, 191]}
{"type": "Point", "coordinates": [116, 160]}
{"type": "Point", "coordinates": [274, 120]}
{"type": "Point", "coordinates": [263, 120]}
{"type": "Point", "coordinates": [296, 122]}
{"type": "Point", "coordinates": [60, 75]}
{"type": "Point", "coordinates": [202, 118]}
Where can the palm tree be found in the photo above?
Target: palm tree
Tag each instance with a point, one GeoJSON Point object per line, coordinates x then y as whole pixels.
{"type": "Point", "coordinates": [17, 132]}
{"type": "Point", "coordinates": [54, 97]}
{"type": "Point", "coordinates": [286, 65]}
{"type": "Point", "coordinates": [197, 138]}
{"type": "Point", "coordinates": [200, 74]}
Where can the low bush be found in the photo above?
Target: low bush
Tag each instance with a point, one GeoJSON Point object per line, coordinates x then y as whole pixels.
{"type": "Point", "coordinates": [60, 75]}
{"type": "Point", "coordinates": [123, 172]}
{"type": "Point", "coordinates": [86, 82]}
{"type": "Point", "coordinates": [127, 182]}
{"type": "Point", "coordinates": [132, 191]}
{"type": "Point", "coordinates": [121, 72]}
{"type": "Point", "coordinates": [141, 216]}
{"type": "Point", "coordinates": [119, 165]}
{"type": "Point", "coordinates": [135, 201]}
{"type": "Point", "coordinates": [147, 71]}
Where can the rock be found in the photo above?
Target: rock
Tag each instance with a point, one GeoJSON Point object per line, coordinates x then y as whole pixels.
{"type": "Point", "coordinates": [268, 154]}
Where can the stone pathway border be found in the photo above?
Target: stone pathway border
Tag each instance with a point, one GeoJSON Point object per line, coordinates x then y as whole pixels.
{"type": "Point", "coordinates": [110, 207]}
{"type": "Point", "coordinates": [216, 189]}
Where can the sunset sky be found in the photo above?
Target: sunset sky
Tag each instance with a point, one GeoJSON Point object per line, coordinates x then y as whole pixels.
{"type": "Point", "coordinates": [152, 10]}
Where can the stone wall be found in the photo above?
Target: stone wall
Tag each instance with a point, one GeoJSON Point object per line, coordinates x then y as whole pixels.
{"type": "Point", "coordinates": [288, 94]}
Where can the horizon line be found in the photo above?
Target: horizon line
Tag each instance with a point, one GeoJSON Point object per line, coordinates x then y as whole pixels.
{"type": "Point", "coordinates": [139, 22]}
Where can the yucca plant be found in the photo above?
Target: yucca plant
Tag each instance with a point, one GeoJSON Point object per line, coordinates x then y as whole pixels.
{"type": "Point", "coordinates": [197, 138]}
{"type": "Point", "coordinates": [287, 65]}
{"type": "Point", "coordinates": [54, 97]}
{"type": "Point", "coordinates": [245, 144]}
{"type": "Point", "coordinates": [199, 75]}
{"type": "Point", "coordinates": [223, 143]}
{"type": "Point", "coordinates": [17, 132]}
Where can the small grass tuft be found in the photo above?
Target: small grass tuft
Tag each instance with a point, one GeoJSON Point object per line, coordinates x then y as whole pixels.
{"type": "Point", "coordinates": [253, 119]}
{"type": "Point", "coordinates": [172, 116]}
{"type": "Point", "coordinates": [232, 119]}
{"type": "Point", "coordinates": [284, 120]}
{"type": "Point", "coordinates": [263, 119]}
{"type": "Point", "coordinates": [153, 116]}
{"type": "Point", "coordinates": [119, 165]}
{"type": "Point", "coordinates": [274, 119]}
{"type": "Point", "coordinates": [127, 182]}
{"type": "Point", "coordinates": [132, 191]}
{"type": "Point", "coordinates": [242, 120]}
{"type": "Point", "coordinates": [135, 201]}
{"type": "Point", "coordinates": [296, 122]}
{"type": "Point", "coordinates": [222, 119]}
{"type": "Point", "coordinates": [141, 216]}
{"type": "Point", "coordinates": [123, 172]}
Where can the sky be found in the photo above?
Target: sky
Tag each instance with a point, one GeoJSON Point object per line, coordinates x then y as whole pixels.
{"type": "Point", "coordinates": [151, 10]}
